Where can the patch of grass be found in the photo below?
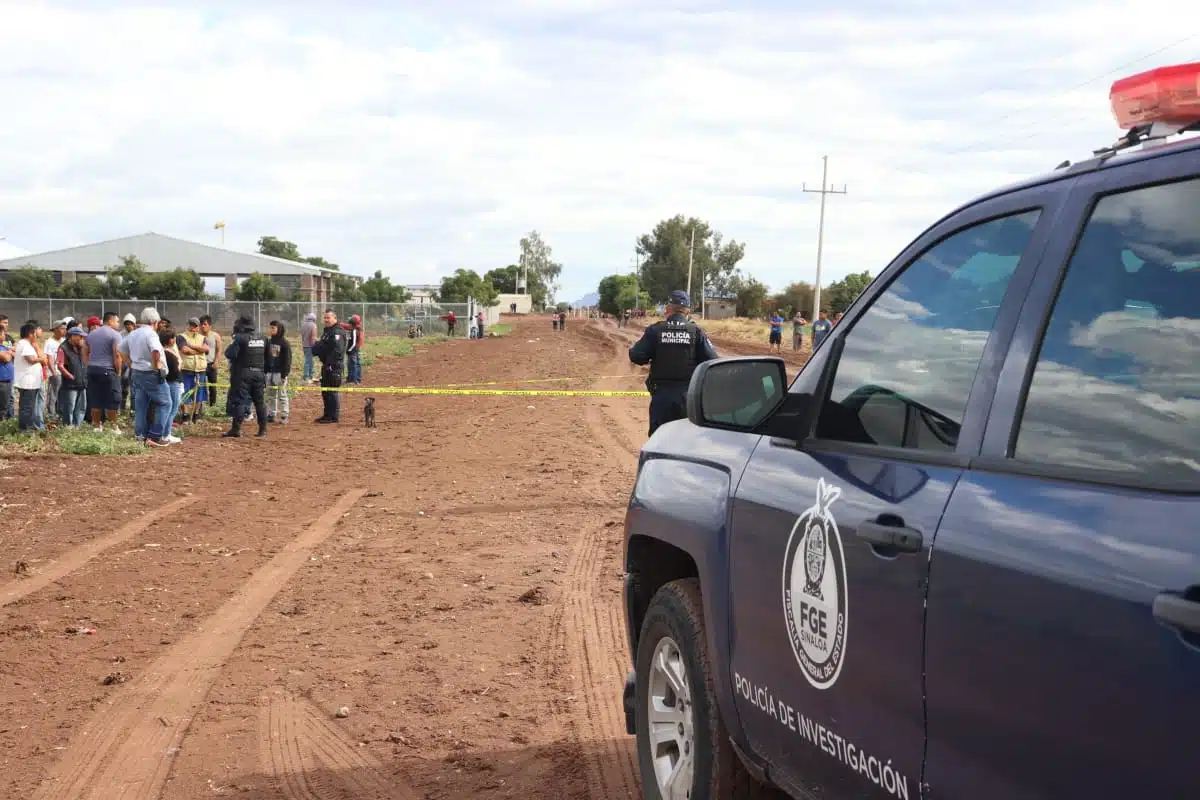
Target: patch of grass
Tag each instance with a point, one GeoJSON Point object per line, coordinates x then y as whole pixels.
{"type": "Point", "coordinates": [80, 441]}
{"type": "Point", "coordinates": [741, 329]}
{"type": "Point", "coordinates": [85, 442]}
{"type": "Point", "coordinates": [502, 329]}
{"type": "Point", "coordinates": [376, 347]}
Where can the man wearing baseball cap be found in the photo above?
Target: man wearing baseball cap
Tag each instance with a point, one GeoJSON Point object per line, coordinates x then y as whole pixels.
{"type": "Point", "coordinates": [672, 348]}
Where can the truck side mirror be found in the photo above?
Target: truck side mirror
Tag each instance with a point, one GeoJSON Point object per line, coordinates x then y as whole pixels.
{"type": "Point", "coordinates": [736, 394]}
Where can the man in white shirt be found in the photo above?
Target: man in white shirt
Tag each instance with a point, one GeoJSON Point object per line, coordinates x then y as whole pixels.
{"type": "Point", "coordinates": [54, 378]}
{"type": "Point", "coordinates": [147, 381]}
{"type": "Point", "coordinates": [27, 378]}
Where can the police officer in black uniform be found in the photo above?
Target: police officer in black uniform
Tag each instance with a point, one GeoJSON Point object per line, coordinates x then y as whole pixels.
{"type": "Point", "coordinates": [672, 348]}
{"type": "Point", "coordinates": [247, 355]}
{"type": "Point", "coordinates": [331, 349]}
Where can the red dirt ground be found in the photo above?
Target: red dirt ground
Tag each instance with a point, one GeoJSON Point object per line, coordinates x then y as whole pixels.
{"type": "Point", "coordinates": [242, 592]}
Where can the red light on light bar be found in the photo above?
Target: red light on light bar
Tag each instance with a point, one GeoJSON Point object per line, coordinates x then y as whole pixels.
{"type": "Point", "coordinates": [1166, 94]}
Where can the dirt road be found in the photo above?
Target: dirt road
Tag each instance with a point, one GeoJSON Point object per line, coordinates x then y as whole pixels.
{"type": "Point", "coordinates": [430, 609]}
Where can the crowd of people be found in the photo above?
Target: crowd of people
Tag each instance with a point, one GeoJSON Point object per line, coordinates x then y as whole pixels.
{"type": "Point", "coordinates": [92, 373]}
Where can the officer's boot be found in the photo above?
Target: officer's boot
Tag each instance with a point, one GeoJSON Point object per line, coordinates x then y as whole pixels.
{"type": "Point", "coordinates": [262, 429]}
{"type": "Point", "coordinates": [234, 432]}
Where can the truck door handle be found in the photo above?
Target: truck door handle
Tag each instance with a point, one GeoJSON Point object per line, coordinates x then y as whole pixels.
{"type": "Point", "coordinates": [1177, 612]}
{"type": "Point", "coordinates": [892, 537]}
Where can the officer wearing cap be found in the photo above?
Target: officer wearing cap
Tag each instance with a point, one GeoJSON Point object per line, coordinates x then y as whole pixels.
{"type": "Point", "coordinates": [672, 348]}
{"type": "Point", "coordinates": [247, 355]}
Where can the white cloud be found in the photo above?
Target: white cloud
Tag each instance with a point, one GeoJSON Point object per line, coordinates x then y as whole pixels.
{"type": "Point", "coordinates": [418, 138]}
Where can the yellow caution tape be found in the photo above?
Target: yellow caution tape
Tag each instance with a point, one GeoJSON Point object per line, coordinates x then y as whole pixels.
{"type": "Point", "coordinates": [426, 390]}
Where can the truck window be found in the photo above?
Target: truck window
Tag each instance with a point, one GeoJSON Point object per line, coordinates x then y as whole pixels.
{"type": "Point", "coordinates": [910, 360]}
{"type": "Point", "coordinates": [1116, 385]}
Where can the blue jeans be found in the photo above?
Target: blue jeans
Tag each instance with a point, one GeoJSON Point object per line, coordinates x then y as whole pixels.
{"type": "Point", "coordinates": [31, 410]}
{"type": "Point", "coordinates": [72, 406]}
{"type": "Point", "coordinates": [308, 364]}
{"type": "Point", "coordinates": [150, 391]}
{"type": "Point", "coordinates": [176, 400]}
{"type": "Point", "coordinates": [354, 367]}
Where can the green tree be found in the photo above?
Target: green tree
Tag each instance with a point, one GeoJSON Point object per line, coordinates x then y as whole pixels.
{"type": "Point", "coordinates": [838, 295]}
{"type": "Point", "coordinates": [619, 292]}
{"type": "Point", "coordinates": [127, 280]}
{"type": "Point", "coordinates": [505, 280]}
{"type": "Point", "coordinates": [561, 307]}
{"type": "Point", "coordinates": [279, 248]}
{"type": "Point", "coordinates": [379, 289]}
{"type": "Point", "coordinates": [257, 287]}
{"type": "Point", "coordinates": [797, 296]}
{"type": "Point", "coordinates": [751, 295]}
{"type": "Point", "coordinates": [84, 287]}
{"type": "Point", "coordinates": [665, 252]}
{"type": "Point", "coordinates": [30, 281]}
{"type": "Point", "coordinates": [466, 283]}
{"type": "Point", "coordinates": [346, 290]}
{"type": "Point", "coordinates": [317, 261]}
{"type": "Point", "coordinates": [178, 284]}
{"type": "Point", "coordinates": [538, 258]}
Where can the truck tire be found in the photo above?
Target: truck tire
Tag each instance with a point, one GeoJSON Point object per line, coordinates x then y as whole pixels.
{"type": "Point", "coordinates": [686, 732]}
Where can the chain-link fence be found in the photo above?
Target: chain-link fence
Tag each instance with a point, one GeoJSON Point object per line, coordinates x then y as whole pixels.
{"type": "Point", "coordinates": [378, 318]}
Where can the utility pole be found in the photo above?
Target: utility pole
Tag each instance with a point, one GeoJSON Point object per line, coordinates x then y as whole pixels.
{"type": "Point", "coordinates": [523, 275]}
{"type": "Point", "coordinates": [824, 190]}
{"type": "Point", "coordinates": [637, 271]}
{"type": "Point", "coordinates": [691, 253]}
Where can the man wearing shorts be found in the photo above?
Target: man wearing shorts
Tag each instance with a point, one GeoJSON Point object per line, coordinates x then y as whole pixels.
{"type": "Point", "coordinates": [776, 338]}
{"type": "Point", "coordinates": [102, 348]}
{"type": "Point", "coordinates": [193, 366]}
{"type": "Point", "coordinates": [213, 340]}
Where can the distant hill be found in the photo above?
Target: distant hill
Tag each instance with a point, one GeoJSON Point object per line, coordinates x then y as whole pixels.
{"type": "Point", "coordinates": [587, 300]}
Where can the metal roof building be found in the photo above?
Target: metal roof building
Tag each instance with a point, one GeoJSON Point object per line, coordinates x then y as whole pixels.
{"type": "Point", "coordinates": [164, 253]}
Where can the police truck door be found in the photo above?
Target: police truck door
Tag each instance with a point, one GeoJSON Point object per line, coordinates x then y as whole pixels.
{"type": "Point", "coordinates": [830, 539]}
{"type": "Point", "coordinates": [1064, 613]}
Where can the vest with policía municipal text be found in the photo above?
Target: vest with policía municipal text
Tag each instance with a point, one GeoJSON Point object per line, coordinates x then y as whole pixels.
{"type": "Point", "coordinates": [675, 353]}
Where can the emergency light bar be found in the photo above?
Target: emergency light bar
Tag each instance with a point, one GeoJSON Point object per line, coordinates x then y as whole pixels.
{"type": "Point", "coordinates": [1154, 105]}
{"type": "Point", "coordinates": [1166, 94]}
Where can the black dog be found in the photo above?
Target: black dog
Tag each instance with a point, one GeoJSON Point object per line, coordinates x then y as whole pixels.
{"type": "Point", "coordinates": [369, 412]}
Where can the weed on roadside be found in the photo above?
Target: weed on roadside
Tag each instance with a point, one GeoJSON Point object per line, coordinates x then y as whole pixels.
{"type": "Point", "coordinates": [71, 441]}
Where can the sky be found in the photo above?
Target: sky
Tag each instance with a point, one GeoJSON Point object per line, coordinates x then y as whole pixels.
{"type": "Point", "coordinates": [418, 138]}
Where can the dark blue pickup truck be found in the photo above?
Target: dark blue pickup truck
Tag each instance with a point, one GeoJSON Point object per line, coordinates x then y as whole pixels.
{"type": "Point", "coordinates": [959, 556]}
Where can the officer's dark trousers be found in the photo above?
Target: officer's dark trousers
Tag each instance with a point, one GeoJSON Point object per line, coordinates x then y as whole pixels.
{"type": "Point", "coordinates": [251, 388]}
{"type": "Point", "coordinates": [667, 404]}
{"type": "Point", "coordinates": [332, 400]}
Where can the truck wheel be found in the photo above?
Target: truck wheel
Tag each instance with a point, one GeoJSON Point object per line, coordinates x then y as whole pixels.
{"type": "Point", "coordinates": [683, 749]}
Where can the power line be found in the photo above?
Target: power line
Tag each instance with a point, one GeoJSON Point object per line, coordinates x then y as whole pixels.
{"type": "Point", "coordinates": [1065, 92]}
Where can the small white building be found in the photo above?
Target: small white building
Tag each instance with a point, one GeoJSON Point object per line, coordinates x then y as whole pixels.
{"type": "Point", "coordinates": [423, 293]}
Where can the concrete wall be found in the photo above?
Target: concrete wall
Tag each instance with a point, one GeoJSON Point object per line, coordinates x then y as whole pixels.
{"type": "Point", "coordinates": [720, 309]}
{"type": "Point", "coordinates": [524, 303]}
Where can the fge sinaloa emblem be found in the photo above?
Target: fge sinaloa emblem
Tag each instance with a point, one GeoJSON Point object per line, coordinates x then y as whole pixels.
{"type": "Point", "coordinates": [814, 590]}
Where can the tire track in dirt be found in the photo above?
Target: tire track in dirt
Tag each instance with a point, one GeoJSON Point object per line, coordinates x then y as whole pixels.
{"type": "Point", "coordinates": [587, 632]}
{"type": "Point", "coordinates": [127, 749]}
{"type": "Point", "coordinates": [76, 557]}
{"type": "Point", "coordinates": [311, 759]}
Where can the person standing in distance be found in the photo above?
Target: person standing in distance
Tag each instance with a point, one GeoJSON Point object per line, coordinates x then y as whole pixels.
{"type": "Point", "coordinates": [672, 348]}
{"type": "Point", "coordinates": [820, 329]}
{"type": "Point", "coordinates": [331, 349]}
{"type": "Point", "coordinates": [247, 355]}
